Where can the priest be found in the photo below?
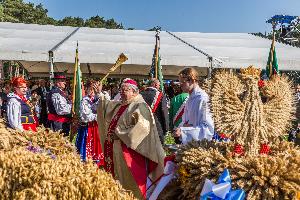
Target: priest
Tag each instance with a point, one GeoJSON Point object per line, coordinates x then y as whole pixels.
{"type": "Point", "coordinates": [132, 150]}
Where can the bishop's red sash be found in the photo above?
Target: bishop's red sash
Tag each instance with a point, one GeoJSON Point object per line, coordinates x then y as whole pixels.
{"type": "Point", "coordinates": [138, 165]}
{"type": "Point", "coordinates": [109, 142]}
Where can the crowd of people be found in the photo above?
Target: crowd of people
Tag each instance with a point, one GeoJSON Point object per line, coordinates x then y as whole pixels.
{"type": "Point", "coordinates": [121, 130]}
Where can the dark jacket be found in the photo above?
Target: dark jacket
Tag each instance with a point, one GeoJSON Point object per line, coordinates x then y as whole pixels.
{"type": "Point", "coordinates": [160, 114]}
{"type": "Point", "coordinates": [50, 104]}
{"type": "Point", "coordinates": [44, 112]}
{"type": "Point", "coordinates": [4, 99]}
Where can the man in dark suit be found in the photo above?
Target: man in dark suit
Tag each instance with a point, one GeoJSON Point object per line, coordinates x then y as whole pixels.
{"type": "Point", "coordinates": [42, 91]}
{"type": "Point", "coordinates": [158, 104]}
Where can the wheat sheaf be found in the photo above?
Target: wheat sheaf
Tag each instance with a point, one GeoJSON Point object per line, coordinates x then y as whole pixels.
{"type": "Point", "coordinates": [251, 115]}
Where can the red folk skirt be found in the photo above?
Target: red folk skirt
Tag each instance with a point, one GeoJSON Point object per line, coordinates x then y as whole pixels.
{"type": "Point", "coordinates": [29, 127]}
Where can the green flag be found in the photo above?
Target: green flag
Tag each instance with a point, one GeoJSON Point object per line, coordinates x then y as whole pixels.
{"type": "Point", "coordinates": [272, 65]}
{"type": "Point", "coordinates": [77, 87]}
{"type": "Point", "coordinates": [78, 92]}
{"type": "Point", "coordinates": [160, 75]}
{"type": "Point", "coordinates": [77, 97]}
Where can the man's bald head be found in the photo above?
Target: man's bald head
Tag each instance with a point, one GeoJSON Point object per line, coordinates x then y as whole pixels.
{"type": "Point", "coordinates": [154, 82]}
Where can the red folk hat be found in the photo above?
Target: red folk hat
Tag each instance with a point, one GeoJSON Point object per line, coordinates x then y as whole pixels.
{"type": "Point", "coordinates": [18, 81]}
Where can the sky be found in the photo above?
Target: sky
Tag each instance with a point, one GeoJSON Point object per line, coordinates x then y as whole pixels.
{"type": "Point", "coordinates": [235, 16]}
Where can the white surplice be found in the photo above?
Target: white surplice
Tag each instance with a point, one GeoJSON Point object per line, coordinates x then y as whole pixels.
{"type": "Point", "coordinates": [197, 115]}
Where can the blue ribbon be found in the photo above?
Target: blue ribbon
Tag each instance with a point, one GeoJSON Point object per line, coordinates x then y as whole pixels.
{"type": "Point", "coordinates": [222, 190]}
{"type": "Point", "coordinates": [218, 138]}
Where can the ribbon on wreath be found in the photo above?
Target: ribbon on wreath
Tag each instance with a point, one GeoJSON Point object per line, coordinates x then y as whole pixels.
{"type": "Point", "coordinates": [221, 137]}
{"type": "Point", "coordinates": [221, 190]}
{"type": "Point", "coordinates": [169, 174]}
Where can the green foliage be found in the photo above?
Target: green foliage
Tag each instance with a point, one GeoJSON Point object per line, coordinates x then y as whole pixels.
{"type": "Point", "coordinates": [17, 11]}
{"type": "Point", "coordinates": [1, 13]}
{"type": "Point", "coordinates": [105, 82]}
{"type": "Point", "coordinates": [169, 139]}
{"type": "Point", "coordinates": [13, 68]}
{"type": "Point", "coordinates": [294, 34]}
{"type": "Point", "coordinates": [111, 24]}
{"type": "Point", "coordinates": [156, 28]}
{"type": "Point", "coordinates": [71, 21]}
{"type": "Point", "coordinates": [100, 22]}
{"type": "Point", "coordinates": [95, 22]}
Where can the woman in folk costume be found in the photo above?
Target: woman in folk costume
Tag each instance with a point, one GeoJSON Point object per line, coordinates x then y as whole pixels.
{"type": "Point", "coordinates": [20, 112]}
{"type": "Point", "coordinates": [87, 141]}
{"type": "Point", "coordinates": [133, 153]}
{"type": "Point", "coordinates": [197, 122]}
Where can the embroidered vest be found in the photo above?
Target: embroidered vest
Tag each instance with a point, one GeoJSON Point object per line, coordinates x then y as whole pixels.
{"type": "Point", "coordinates": [27, 116]}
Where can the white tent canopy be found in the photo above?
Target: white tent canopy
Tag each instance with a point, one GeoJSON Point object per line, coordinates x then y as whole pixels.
{"type": "Point", "coordinates": [30, 44]}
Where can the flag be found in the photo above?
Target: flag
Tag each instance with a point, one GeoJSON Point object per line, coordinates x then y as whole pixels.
{"type": "Point", "coordinates": [152, 69]}
{"type": "Point", "coordinates": [156, 68]}
{"type": "Point", "coordinates": [77, 86]}
{"type": "Point", "coordinates": [77, 97]}
{"type": "Point", "coordinates": [160, 75]}
{"type": "Point", "coordinates": [272, 65]}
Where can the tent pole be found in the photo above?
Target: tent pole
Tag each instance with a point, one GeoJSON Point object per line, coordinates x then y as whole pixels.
{"type": "Point", "coordinates": [51, 70]}
{"type": "Point", "coordinates": [210, 57]}
{"type": "Point", "coordinates": [209, 73]}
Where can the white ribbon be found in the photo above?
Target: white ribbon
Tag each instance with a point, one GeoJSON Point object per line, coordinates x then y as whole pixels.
{"type": "Point", "coordinates": [220, 190]}
{"type": "Point", "coordinates": [169, 172]}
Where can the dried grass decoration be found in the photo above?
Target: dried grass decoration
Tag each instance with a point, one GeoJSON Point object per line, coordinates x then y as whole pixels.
{"type": "Point", "coordinates": [44, 165]}
{"type": "Point", "coordinates": [252, 117]}
{"type": "Point", "coordinates": [276, 176]}
{"type": "Point", "coordinates": [239, 111]}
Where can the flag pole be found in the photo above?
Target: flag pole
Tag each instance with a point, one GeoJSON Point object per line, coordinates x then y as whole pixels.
{"type": "Point", "coordinates": [73, 114]}
{"type": "Point", "coordinates": [272, 50]}
{"type": "Point", "coordinates": [156, 53]}
{"type": "Point", "coordinates": [74, 81]}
